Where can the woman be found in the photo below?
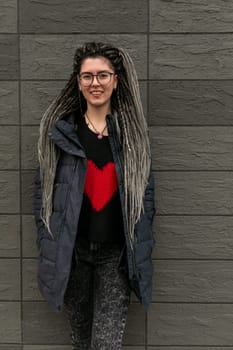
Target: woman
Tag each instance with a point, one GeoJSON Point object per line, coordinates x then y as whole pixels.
{"type": "Point", "coordinates": [94, 198]}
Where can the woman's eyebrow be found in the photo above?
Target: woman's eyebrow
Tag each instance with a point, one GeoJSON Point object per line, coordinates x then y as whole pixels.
{"type": "Point", "coordinates": [100, 71]}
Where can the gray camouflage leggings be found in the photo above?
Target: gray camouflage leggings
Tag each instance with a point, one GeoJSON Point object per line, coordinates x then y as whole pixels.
{"type": "Point", "coordinates": [97, 298]}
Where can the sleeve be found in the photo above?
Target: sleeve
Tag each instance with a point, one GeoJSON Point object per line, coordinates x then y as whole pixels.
{"type": "Point", "coordinates": [149, 204]}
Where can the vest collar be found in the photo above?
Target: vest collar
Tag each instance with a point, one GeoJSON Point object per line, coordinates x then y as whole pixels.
{"type": "Point", "coordinates": [64, 134]}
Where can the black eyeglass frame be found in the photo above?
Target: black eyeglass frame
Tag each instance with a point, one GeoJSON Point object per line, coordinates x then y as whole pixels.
{"type": "Point", "coordinates": [94, 75]}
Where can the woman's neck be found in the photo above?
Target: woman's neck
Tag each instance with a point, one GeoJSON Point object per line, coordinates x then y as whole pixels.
{"type": "Point", "coordinates": [98, 115]}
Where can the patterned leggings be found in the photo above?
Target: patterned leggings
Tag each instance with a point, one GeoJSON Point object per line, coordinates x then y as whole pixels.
{"type": "Point", "coordinates": [97, 298]}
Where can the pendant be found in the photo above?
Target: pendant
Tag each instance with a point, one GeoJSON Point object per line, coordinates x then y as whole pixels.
{"type": "Point", "coordinates": [100, 136]}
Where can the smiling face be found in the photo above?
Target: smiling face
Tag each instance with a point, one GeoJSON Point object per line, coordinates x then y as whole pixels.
{"type": "Point", "coordinates": [97, 94]}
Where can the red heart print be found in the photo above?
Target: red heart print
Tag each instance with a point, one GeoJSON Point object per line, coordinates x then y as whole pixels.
{"type": "Point", "coordinates": [100, 184]}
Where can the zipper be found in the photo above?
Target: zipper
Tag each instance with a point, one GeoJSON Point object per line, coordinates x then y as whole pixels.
{"type": "Point", "coordinates": [59, 306]}
{"type": "Point", "coordinates": [117, 161]}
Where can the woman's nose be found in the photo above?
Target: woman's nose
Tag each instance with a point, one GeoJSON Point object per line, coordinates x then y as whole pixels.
{"type": "Point", "coordinates": [95, 81]}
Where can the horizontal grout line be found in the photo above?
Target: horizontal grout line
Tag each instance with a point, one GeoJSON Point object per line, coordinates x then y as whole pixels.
{"type": "Point", "coordinates": [133, 33]}
{"type": "Point", "coordinates": [14, 214]}
{"type": "Point", "coordinates": [193, 302]}
{"type": "Point", "coordinates": [186, 33]}
{"type": "Point", "coordinates": [192, 170]}
{"type": "Point", "coordinates": [42, 301]}
{"type": "Point", "coordinates": [184, 125]}
{"type": "Point", "coordinates": [142, 79]}
{"type": "Point", "coordinates": [190, 259]}
{"type": "Point", "coordinates": [187, 125]}
{"type": "Point", "coordinates": [20, 256]}
{"type": "Point", "coordinates": [150, 125]}
{"type": "Point", "coordinates": [7, 344]}
{"type": "Point", "coordinates": [77, 33]}
{"type": "Point", "coordinates": [11, 214]}
{"type": "Point", "coordinates": [190, 79]}
{"type": "Point", "coordinates": [153, 259]}
{"type": "Point", "coordinates": [157, 215]}
{"type": "Point", "coordinates": [155, 171]}
{"type": "Point", "coordinates": [42, 345]}
{"type": "Point", "coordinates": [194, 215]}
{"type": "Point", "coordinates": [154, 346]}
{"type": "Point", "coordinates": [133, 302]}
{"type": "Point", "coordinates": [140, 345]}
{"type": "Point", "coordinates": [9, 125]}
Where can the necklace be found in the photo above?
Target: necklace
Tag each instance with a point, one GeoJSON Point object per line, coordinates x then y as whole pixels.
{"type": "Point", "coordinates": [99, 133]}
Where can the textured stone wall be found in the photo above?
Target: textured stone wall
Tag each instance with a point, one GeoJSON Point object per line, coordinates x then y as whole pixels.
{"type": "Point", "coordinates": [183, 52]}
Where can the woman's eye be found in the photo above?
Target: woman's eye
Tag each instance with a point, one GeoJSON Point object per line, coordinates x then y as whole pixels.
{"type": "Point", "coordinates": [103, 75]}
{"type": "Point", "coordinates": [87, 76]}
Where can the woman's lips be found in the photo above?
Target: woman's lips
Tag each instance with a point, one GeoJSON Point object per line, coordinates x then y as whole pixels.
{"type": "Point", "coordinates": [96, 94]}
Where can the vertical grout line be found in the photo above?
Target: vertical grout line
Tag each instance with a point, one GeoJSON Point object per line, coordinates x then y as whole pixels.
{"type": "Point", "coordinates": [148, 118]}
{"type": "Point", "coordinates": [20, 177]}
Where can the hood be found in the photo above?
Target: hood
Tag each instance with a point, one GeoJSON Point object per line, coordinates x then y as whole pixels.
{"type": "Point", "coordinates": [64, 134]}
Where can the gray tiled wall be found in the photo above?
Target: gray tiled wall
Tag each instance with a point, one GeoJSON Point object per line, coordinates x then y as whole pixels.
{"type": "Point", "coordinates": [183, 52]}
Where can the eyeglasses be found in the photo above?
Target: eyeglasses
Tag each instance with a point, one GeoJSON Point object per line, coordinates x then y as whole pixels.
{"type": "Point", "coordinates": [103, 78]}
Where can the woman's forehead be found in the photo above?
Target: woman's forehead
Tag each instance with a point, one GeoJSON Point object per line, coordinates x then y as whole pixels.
{"type": "Point", "coordinates": [95, 64]}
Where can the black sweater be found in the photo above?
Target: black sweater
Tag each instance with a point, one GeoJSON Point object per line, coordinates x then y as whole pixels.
{"type": "Point", "coordinates": [101, 217]}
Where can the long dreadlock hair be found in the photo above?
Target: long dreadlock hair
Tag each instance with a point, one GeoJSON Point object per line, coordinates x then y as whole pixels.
{"type": "Point", "coordinates": [131, 124]}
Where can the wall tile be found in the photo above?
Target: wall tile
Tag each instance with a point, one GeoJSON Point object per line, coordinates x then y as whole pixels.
{"type": "Point", "coordinates": [29, 236]}
{"type": "Point", "coordinates": [135, 326]}
{"type": "Point", "coordinates": [83, 16]}
{"type": "Point", "coordinates": [9, 147]}
{"type": "Point", "coordinates": [8, 56]}
{"type": "Point", "coordinates": [193, 237]}
{"type": "Point", "coordinates": [9, 192]}
{"type": "Point", "coordinates": [189, 193]}
{"type": "Point", "coordinates": [193, 281]}
{"type": "Point", "coordinates": [183, 16]}
{"type": "Point", "coordinates": [44, 326]}
{"type": "Point", "coordinates": [192, 147]}
{"type": "Point", "coordinates": [10, 236]}
{"type": "Point", "coordinates": [36, 97]}
{"type": "Point", "coordinates": [27, 191]}
{"type": "Point", "coordinates": [181, 102]}
{"type": "Point", "coordinates": [177, 56]}
{"type": "Point", "coordinates": [185, 324]}
{"type": "Point", "coordinates": [10, 279]}
{"type": "Point", "coordinates": [51, 56]}
{"type": "Point", "coordinates": [8, 17]}
{"type": "Point", "coordinates": [9, 104]}
{"type": "Point", "coordinates": [29, 153]}
{"type": "Point", "coordinates": [10, 323]}
{"type": "Point", "coordinates": [30, 288]}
